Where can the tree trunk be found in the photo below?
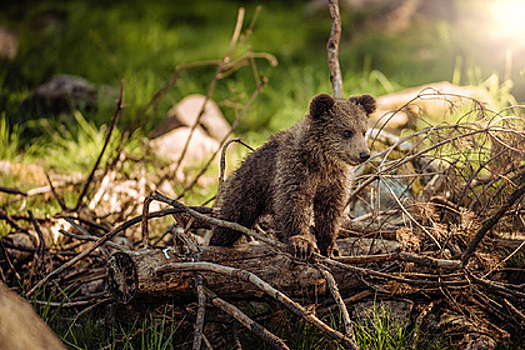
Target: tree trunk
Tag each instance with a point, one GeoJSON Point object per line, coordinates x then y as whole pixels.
{"type": "Point", "coordinates": [131, 274]}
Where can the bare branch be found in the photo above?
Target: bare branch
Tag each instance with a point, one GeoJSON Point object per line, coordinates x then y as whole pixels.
{"type": "Point", "coordinates": [213, 84]}
{"type": "Point", "coordinates": [223, 165]}
{"type": "Point", "coordinates": [199, 323]}
{"type": "Point", "coordinates": [120, 106]}
{"type": "Point", "coordinates": [333, 50]}
{"type": "Point", "coordinates": [332, 285]}
{"type": "Point", "coordinates": [240, 316]}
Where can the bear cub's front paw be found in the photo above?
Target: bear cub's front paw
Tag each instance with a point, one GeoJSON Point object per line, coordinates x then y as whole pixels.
{"type": "Point", "coordinates": [330, 251]}
{"type": "Point", "coordinates": [302, 247]}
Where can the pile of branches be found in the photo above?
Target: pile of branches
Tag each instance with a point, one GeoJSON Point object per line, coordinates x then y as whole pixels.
{"type": "Point", "coordinates": [450, 195]}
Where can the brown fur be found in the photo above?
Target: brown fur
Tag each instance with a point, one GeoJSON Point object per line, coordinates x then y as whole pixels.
{"type": "Point", "coordinates": [299, 172]}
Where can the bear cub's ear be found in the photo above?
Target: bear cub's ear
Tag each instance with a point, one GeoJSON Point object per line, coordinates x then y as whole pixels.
{"type": "Point", "coordinates": [367, 101]}
{"type": "Point", "coordinates": [320, 104]}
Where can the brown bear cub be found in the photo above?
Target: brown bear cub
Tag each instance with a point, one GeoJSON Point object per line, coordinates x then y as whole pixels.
{"type": "Point", "coordinates": [299, 174]}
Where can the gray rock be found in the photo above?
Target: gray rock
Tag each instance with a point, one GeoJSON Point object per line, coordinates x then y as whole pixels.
{"type": "Point", "coordinates": [8, 43]}
{"type": "Point", "coordinates": [62, 94]}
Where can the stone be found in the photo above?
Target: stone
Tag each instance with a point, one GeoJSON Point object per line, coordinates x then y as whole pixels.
{"type": "Point", "coordinates": [186, 112]}
{"type": "Point", "coordinates": [61, 94]}
{"type": "Point", "coordinates": [170, 145]}
{"type": "Point", "coordinates": [8, 43]}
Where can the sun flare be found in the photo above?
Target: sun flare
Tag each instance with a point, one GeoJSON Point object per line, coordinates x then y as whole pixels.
{"type": "Point", "coordinates": [509, 16]}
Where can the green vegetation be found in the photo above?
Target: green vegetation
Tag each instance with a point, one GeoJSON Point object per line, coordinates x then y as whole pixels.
{"type": "Point", "coordinates": [141, 44]}
{"type": "Point", "coordinates": [9, 140]}
{"type": "Point", "coordinates": [107, 327]}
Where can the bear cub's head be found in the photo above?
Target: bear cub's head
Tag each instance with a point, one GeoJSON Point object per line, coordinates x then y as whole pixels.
{"type": "Point", "coordinates": [340, 126]}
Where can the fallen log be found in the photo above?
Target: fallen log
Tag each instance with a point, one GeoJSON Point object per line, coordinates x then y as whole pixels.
{"type": "Point", "coordinates": [134, 276]}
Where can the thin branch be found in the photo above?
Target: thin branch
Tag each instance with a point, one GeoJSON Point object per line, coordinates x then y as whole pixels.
{"type": "Point", "coordinates": [86, 235]}
{"type": "Point", "coordinates": [515, 311]}
{"type": "Point", "coordinates": [332, 285]}
{"type": "Point", "coordinates": [223, 165]}
{"type": "Point", "coordinates": [370, 272]}
{"type": "Point", "coordinates": [59, 200]}
{"type": "Point", "coordinates": [145, 229]}
{"type": "Point", "coordinates": [41, 241]}
{"type": "Point", "coordinates": [72, 304]}
{"type": "Point", "coordinates": [199, 322]}
{"type": "Point", "coordinates": [11, 190]}
{"type": "Point", "coordinates": [507, 289]}
{"type": "Point", "coordinates": [423, 260]}
{"type": "Point", "coordinates": [119, 108]}
{"type": "Point", "coordinates": [213, 84]}
{"type": "Point", "coordinates": [332, 48]}
{"type": "Point", "coordinates": [10, 263]}
{"type": "Point", "coordinates": [260, 331]}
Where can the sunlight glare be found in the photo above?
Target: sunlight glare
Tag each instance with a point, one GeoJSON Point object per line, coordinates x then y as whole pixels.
{"type": "Point", "coordinates": [509, 16]}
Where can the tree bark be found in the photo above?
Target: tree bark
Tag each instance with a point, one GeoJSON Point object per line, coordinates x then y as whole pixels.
{"type": "Point", "coordinates": [131, 275]}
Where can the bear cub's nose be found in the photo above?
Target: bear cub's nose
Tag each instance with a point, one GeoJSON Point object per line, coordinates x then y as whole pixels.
{"type": "Point", "coordinates": [364, 156]}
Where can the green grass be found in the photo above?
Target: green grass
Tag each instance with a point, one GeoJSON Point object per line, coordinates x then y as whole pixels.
{"type": "Point", "coordinates": [76, 147]}
{"type": "Point", "coordinates": [141, 44]}
{"type": "Point", "coordinates": [9, 140]}
{"type": "Point", "coordinates": [380, 331]}
{"type": "Point", "coordinates": [383, 332]}
{"type": "Point", "coordinates": [106, 327]}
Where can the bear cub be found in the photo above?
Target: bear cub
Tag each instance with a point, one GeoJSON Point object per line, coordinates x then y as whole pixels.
{"type": "Point", "coordinates": [301, 174]}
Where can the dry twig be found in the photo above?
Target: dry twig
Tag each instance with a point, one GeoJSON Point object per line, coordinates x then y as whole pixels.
{"type": "Point", "coordinates": [220, 67]}
{"type": "Point", "coordinates": [332, 285]}
{"type": "Point", "coordinates": [240, 316]}
{"type": "Point", "coordinates": [332, 47]}
{"type": "Point", "coordinates": [120, 106]}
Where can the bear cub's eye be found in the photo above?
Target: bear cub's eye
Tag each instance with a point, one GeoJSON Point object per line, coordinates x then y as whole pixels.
{"type": "Point", "coordinates": [348, 134]}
